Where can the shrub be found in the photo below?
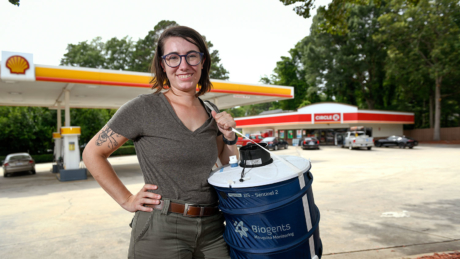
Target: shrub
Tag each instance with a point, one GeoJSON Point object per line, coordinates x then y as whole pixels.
{"type": "Point", "coordinates": [44, 158]}
{"type": "Point", "coordinates": [124, 151]}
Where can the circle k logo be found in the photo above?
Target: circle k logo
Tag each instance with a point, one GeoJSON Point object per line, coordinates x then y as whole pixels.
{"type": "Point", "coordinates": [327, 117]}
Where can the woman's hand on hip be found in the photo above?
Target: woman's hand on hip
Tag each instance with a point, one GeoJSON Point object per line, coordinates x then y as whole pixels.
{"type": "Point", "coordinates": [136, 202]}
{"type": "Point", "coordinates": [225, 122]}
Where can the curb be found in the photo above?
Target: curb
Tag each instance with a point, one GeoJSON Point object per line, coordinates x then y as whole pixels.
{"type": "Point", "coordinates": [428, 254]}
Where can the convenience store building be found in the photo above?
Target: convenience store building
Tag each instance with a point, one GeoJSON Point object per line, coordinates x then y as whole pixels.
{"type": "Point", "coordinates": [325, 121]}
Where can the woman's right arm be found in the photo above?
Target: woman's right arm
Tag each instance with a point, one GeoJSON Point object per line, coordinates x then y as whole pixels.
{"type": "Point", "coordinates": [95, 155]}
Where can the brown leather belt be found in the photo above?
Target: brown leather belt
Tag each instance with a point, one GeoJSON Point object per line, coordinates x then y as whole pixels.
{"type": "Point", "coordinates": [187, 209]}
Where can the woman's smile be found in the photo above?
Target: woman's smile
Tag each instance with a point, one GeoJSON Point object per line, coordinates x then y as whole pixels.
{"type": "Point", "coordinates": [185, 76]}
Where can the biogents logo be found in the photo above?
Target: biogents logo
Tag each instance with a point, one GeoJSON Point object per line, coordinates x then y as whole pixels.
{"type": "Point", "coordinates": [240, 229]}
{"type": "Point", "coordinates": [327, 117]}
{"type": "Point", "coordinates": [270, 230]}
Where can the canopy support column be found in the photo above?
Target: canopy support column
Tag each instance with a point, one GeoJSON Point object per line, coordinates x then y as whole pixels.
{"type": "Point", "coordinates": [59, 123]}
{"type": "Point", "coordinates": [57, 141]}
{"type": "Point", "coordinates": [67, 107]}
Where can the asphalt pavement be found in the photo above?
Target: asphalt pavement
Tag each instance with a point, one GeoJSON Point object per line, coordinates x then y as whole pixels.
{"type": "Point", "coordinates": [383, 203]}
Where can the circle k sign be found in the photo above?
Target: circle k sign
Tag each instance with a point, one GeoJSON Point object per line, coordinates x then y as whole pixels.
{"type": "Point", "coordinates": [327, 117]}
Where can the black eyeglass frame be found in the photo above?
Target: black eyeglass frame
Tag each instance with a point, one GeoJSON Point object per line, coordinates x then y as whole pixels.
{"type": "Point", "coordinates": [180, 58]}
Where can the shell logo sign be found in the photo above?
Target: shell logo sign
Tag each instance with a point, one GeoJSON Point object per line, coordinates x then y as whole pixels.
{"type": "Point", "coordinates": [17, 64]}
{"type": "Point", "coordinates": [327, 118]}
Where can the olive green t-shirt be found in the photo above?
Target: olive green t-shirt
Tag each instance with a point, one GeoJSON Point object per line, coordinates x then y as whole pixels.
{"type": "Point", "coordinates": [171, 156]}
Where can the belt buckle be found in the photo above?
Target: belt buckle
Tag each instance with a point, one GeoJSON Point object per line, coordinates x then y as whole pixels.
{"type": "Point", "coordinates": [187, 205]}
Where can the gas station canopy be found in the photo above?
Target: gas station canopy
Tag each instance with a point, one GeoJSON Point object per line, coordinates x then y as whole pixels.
{"type": "Point", "coordinates": [26, 84]}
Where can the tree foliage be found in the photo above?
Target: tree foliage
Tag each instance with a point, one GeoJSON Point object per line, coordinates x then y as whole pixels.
{"type": "Point", "coordinates": [335, 14]}
{"type": "Point", "coordinates": [125, 54]}
{"type": "Point", "coordinates": [349, 67]}
{"type": "Point", "coordinates": [29, 129]}
{"type": "Point", "coordinates": [86, 54]}
{"type": "Point", "coordinates": [26, 129]}
{"type": "Point", "coordinates": [393, 56]}
{"type": "Point", "coordinates": [289, 72]}
{"type": "Point", "coordinates": [423, 47]}
{"type": "Point", "coordinates": [15, 2]}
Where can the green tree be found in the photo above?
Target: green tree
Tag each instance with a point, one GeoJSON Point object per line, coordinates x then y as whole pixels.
{"type": "Point", "coordinates": [349, 68]}
{"type": "Point", "coordinates": [236, 112]}
{"type": "Point", "coordinates": [424, 39]}
{"type": "Point", "coordinates": [118, 53]}
{"type": "Point", "coordinates": [26, 129]}
{"type": "Point", "coordinates": [325, 75]}
{"type": "Point", "coordinates": [85, 54]}
{"type": "Point", "coordinates": [289, 72]}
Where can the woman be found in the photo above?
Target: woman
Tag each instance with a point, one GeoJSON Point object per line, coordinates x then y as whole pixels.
{"type": "Point", "coordinates": [177, 140]}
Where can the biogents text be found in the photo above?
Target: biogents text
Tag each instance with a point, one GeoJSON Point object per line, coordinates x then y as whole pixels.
{"type": "Point", "coordinates": [270, 230]}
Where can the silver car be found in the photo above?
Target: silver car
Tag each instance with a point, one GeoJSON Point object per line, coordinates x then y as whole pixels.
{"type": "Point", "coordinates": [18, 162]}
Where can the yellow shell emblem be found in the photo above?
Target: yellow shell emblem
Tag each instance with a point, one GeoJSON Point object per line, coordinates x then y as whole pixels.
{"type": "Point", "coordinates": [17, 65]}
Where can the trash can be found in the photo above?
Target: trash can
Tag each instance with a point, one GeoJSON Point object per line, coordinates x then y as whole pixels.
{"type": "Point", "coordinates": [269, 208]}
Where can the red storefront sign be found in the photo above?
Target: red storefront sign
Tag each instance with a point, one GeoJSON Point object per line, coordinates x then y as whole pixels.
{"type": "Point", "coordinates": [327, 117]}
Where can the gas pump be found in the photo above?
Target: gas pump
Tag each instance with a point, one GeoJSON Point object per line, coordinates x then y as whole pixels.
{"type": "Point", "coordinates": [71, 153]}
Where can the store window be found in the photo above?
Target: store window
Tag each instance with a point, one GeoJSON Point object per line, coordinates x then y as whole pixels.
{"type": "Point", "coordinates": [290, 134]}
{"type": "Point", "coordinates": [312, 133]}
{"type": "Point", "coordinates": [281, 134]}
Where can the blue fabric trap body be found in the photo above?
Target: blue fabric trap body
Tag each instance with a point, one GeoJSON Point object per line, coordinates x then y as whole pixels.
{"type": "Point", "coordinates": [272, 213]}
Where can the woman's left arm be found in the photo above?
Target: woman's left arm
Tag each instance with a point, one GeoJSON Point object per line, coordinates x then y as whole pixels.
{"type": "Point", "coordinates": [225, 123]}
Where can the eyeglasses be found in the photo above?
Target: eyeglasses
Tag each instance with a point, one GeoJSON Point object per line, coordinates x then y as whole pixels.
{"type": "Point", "coordinates": [192, 58]}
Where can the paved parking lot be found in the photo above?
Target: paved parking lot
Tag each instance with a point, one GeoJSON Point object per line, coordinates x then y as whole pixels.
{"type": "Point", "coordinates": [383, 203]}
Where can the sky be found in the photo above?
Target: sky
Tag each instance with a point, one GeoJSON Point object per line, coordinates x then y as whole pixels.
{"type": "Point", "coordinates": [251, 35]}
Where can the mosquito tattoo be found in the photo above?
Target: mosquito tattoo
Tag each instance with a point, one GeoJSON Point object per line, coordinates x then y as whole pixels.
{"type": "Point", "coordinates": [107, 135]}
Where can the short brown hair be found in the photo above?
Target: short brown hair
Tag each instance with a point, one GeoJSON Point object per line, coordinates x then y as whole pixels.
{"type": "Point", "coordinates": [160, 78]}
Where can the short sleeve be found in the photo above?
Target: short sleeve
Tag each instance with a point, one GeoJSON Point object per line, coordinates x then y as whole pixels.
{"type": "Point", "coordinates": [128, 120]}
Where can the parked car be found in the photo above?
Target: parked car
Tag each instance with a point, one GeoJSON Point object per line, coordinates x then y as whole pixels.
{"type": "Point", "coordinates": [18, 162]}
{"type": "Point", "coordinates": [357, 137]}
{"type": "Point", "coordinates": [310, 143]}
{"type": "Point", "coordinates": [396, 141]}
{"type": "Point", "coordinates": [274, 143]}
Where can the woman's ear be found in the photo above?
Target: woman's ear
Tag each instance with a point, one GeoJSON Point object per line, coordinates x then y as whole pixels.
{"type": "Point", "coordinates": [162, 65]}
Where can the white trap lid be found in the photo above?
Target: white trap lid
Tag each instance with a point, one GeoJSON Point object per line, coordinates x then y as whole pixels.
{"type": "Point", "coordinates": [275, 172]}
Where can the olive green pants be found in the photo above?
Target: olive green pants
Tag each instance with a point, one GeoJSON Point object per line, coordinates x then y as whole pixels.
{"type": "Point", "coordinates": [164, 235]}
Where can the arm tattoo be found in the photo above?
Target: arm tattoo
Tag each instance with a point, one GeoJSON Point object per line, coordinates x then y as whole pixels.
{"type": "Point", "coordinates": [107, 135]}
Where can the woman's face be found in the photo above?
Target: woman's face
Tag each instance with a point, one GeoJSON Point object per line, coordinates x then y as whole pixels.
{"type": "Point", "coordinates": [184, 77]}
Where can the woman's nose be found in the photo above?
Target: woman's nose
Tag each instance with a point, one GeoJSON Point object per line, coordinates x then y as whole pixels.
{"type": "Point", "coordinates": [183, 63]}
